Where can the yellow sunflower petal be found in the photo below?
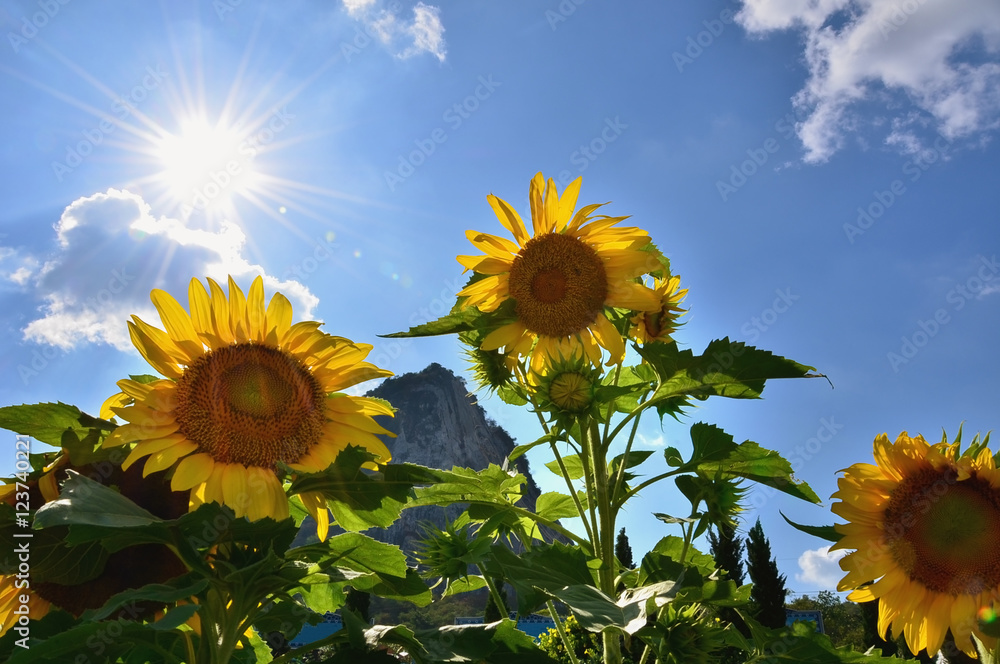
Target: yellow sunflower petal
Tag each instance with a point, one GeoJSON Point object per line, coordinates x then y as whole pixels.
{"type": "Point", "coordinates": [200, 305]}
{"type": "Point", "coordinates": [147, 447]}
{"type": "Point", "coordinates": [114, 401]}
{"type": "Point", "coordinates": [178, 324]}
{"type": "Point", "coordinates": [238, 313]}
{"type": "Point", "coordinates": [279, 316]}
{"type": "Point", "coordinates": [167, 457]}
{"type": "Point", "coordinates": [315, 504]}
{"type": "Point", "coordinates": [191, 471]}
{"type": "Point", "coordinates": [609, 338]}
{"type": "Point", "coordinates": [152, 349]}
{"type": "Point", "coordinates": [567, 203]}
{"type": "Point", "coordinates": [550, 205]}
{"type": "Point", "coordinates": [256, 310]}
{"type": "Point", "coordinates": [220, 313]}
{"type": "Point", "coordinates": [492, 245]}
{"type": "Point", "coordinates": [630, 295]}
{"type": "Point", "coordinates": [510, 219]}
{"type": "Point", "coordinates": [234, 488]}
{"type": "Point", "coordinates": [535, 189]}
{"type": "Point", "coordinates": [506, 335]}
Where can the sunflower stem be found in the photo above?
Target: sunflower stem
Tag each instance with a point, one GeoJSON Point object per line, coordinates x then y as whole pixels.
{"type": "Point", "coordinates": [620, 473]}
{"type": "Point", "coordinates": [607, 422]}
{"type": "Point", "coordinates": [495, 596]}
{"type": "Point", "coordinates": [589, 481]}
{"type": "Point", "coordinates": [604, 545]}
{"type": "Point", "coordinates": [562, 631]}
{"type": "Point", "coordinates": [572, 491]}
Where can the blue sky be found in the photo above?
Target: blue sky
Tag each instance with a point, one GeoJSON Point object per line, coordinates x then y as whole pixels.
{"type": "Point", "coordinates": [823, 178]}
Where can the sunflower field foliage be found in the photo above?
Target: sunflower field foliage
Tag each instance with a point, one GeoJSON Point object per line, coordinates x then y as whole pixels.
{"type": "Point", "coordinates": [166, 528]}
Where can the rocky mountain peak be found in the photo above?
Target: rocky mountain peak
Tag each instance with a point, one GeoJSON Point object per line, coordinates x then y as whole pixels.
{"type": "Point", "coordinates": [439, 424]}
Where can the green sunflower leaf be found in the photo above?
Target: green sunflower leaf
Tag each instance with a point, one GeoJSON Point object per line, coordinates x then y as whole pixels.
{"type": "Point", "coordinates": [360, 499]}
{"type": "Point", "coordinates": [52, 559]}
{"type": "Point", "coordinates": [465, 319]}
{"type": "Point", "coordinates": [521, 449]}
{"type": "Point", "coordinates": [543, 570]}
{"type": "Point", "coordinates": [574, 466]}
{"type": "Point", "coordinates": [726, 368]}
{"type": "Point", "coordinates": [58, 639]}
{"type": "Point", "coordinates": [829, 533]}
{"type": "Point", "coordinates": [410, 587]}
{"type": "Point", "coordinates": [492, 485]}
{"type": "Point", "coordinates": [717, 455]}
{"type": "Point", "coordinates": [493, 643]}
{"type": "Point", "coordinates": [465, 584]}
{"type": "Point", "coordinates": [86, 502]}
{"type": "Point", "coordinates": [553, 505]}
{"type": "Point", "coordinates": [127, 602]}
{"type": "Point", "coordinates": [663, 562]}
{"type": "Point", "coordinates": [47, 422]}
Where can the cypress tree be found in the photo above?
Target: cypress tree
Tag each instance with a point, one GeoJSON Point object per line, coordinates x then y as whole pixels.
{"type": "Point", "coordinates": [623, 551]}
{"type": "Point", "coordinates": [768, 595]}
{"type": "Point", "coordinates": [727, 549]}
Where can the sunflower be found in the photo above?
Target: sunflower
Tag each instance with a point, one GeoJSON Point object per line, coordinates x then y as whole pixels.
{"type": "Point", "coordinates": [245, 392]}
{"type": "Point", "coordinates": [13, 592]}
{"type": "Point", "coordinates": [659, 325]}
{"type": "Point", "coordinates": [132, 567]}
{"type": "Point", "coordinates": [561, 278]}
{"type": "Point", "coordinates": [925, 523]}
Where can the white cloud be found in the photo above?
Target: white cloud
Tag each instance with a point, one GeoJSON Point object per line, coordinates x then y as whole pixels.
{"type": "Point", "coordinates": [645, 441]}
{"type": "Point", "coordinates": [357, 7]}
{"type": "Point", "coordinates": [943, 56]}
{"type": "Point", "coordinates": [819, 568]}
{"type": "Point", "coordinates": [427, 32]}
{"type": "Point", "coordinates": [112, 252]}
{"type": "Point", "coordinates": [423, 34]}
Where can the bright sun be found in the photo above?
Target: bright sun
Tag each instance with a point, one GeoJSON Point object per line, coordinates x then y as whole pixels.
{"type": "Point", "coordinates": [205, 165]}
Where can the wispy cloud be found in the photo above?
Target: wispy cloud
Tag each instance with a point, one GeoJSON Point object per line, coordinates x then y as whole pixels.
{"type": "Point", "coordinates": [111, 251]}
{"type": "Point", "coordinates": [941, 56]}
{"type": "Point", "coordinates": [406, 38]}
{"type": "Point", "coordinates": [647, 441]}
{"type": "Point", "coordinates": [819, 568]}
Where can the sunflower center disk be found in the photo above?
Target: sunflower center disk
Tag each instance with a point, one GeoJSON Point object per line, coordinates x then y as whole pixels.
{"type": "Point", "coordinates": [945, 533]}
{"type": "Point", "coordinates": [250, 404]}
{"type": "Point", "coordinates": [559, 283]}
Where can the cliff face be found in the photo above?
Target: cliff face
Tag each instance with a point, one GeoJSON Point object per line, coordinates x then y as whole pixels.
{"type": "Point", "coordinates": [439, 425]}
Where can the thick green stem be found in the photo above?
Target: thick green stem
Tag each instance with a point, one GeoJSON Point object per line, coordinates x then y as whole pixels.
{"type": "Point", "coordinates": [495, 596]}
{"type": "Point", "coordinates": [572, 492]}
{"type": "Point", "coordinates": [589, 481]}
{"type": "Point", "coordinates": [612, 646]}
{"type": "Point", "coordinates": [620, 474]}
{"type": "Point", "coordinates": [604, 544]}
